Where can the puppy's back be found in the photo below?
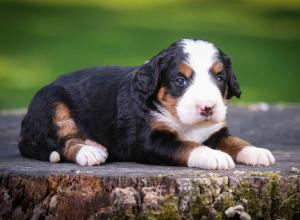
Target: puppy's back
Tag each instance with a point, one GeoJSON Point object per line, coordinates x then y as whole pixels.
{"type": "Point", "coordinates": [90, 95]}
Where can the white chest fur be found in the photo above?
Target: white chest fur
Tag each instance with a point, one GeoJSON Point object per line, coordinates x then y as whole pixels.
{"type": "Point", "coordinates": [197, 133]}
{"type": "Point", "coordinates": [201, 133]}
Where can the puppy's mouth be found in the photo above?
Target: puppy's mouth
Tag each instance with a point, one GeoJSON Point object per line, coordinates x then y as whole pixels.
{"type": "Point", "coordinates": [212, 117]}
{"type": "Point", "coordinates": [208, 118]}
{"type": "Point", "coordinates": [205, 122]}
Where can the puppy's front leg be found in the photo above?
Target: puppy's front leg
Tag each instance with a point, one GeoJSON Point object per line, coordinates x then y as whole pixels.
{"type": "Point", "coordinates": [243, 152]}
{"type": "Point", "coordinates": [165, 147]}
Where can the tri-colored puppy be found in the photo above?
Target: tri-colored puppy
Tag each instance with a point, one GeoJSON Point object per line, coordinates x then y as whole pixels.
{"type": "Point", "coordinates": [171, 111]}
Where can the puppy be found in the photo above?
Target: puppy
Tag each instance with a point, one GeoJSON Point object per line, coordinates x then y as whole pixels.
{"type": "Point", "coordinates": [169, 111]}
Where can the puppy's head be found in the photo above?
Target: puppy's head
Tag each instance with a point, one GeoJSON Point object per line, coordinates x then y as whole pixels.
{"type": "Point", "coordinates": [192, 79]}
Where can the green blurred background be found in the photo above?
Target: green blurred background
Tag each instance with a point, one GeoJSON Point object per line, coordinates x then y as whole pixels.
{"type": "Point", "coordinates": [42, 39]}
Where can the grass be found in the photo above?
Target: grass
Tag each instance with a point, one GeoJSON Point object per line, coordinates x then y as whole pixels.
{"type": "Point", "coordinates": [41, 39]}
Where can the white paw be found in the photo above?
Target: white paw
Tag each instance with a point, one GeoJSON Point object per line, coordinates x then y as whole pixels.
{"type": "Point", "coordinates": [90, 155]}
{"type": "Point", "coordinates": [207, 158]}
{"type": "Point", "coordinates": [255, 156]}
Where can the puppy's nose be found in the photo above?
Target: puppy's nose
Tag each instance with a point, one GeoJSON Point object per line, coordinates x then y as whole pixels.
{"type": "Point", "coordinates": [206, 110]}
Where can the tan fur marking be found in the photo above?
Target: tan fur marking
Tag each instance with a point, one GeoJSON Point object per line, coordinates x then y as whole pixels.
{"type": "Point", "coordinates": [72, 146]}
{"type": "Point", "coordinates": [67, 130]}
{"type": "Point", "coordinates": [233, 145]}
{"type": "Point", "coordinates": [167, 101]}
{"type": "Point", "coordinates": [217, 67]}
{"type": "Point", "coordinates": [185, 70]}
{"type": "Point", "coordinates": [187, 147]}
{"type": "Point", "coordinates": [62, 112]}
{"type": "Point", "coordinates": [64, 122]}
{"type": "Point", "coordinates": [158, 125]}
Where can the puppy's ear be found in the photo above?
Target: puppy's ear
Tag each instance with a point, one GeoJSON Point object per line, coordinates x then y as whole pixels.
{"type": "Point", "coordinates": [233, 85]}
{"type": "Point", "coordinates": [148, 76]}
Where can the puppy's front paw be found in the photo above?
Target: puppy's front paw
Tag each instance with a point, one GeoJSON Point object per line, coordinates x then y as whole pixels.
{"type": "Point", "coordinates": [255, 156]}
{"type": "Point", "coordinates": [90, 155]}
{"type": "Point", "coordinates": [207, 158]}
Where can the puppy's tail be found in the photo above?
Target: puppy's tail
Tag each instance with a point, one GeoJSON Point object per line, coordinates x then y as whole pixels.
{"type": "Point", "coordinates": [54, 157]}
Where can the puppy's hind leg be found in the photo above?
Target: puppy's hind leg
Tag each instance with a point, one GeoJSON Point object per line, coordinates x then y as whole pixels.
{"type": "Point", "coordinates": [38, 135]}
{"type": "Point", "coordinates": [76, 147]}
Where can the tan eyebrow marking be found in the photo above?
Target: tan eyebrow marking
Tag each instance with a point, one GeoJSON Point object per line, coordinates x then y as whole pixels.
{"type": "Point", "coordinates": [217, 67]}
{"type": "Point", "coordinates": [185, 70]}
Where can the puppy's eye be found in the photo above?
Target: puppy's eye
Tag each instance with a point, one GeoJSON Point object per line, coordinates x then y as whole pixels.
{"type": "Point", "coordinates": [220, 79]}
{"type": "Point", "coordinates": [180, 81]}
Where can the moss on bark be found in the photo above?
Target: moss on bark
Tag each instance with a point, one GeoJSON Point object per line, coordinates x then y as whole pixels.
{"type": "Point", "coordinates": [263, 195]}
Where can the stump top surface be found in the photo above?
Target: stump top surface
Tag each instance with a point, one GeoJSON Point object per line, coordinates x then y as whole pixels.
{"type": "Point", "coordinates": [277, 129]}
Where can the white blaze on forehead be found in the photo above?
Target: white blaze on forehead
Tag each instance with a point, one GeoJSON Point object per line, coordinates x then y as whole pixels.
{"type": "Point", "coordinates": [200, 54]}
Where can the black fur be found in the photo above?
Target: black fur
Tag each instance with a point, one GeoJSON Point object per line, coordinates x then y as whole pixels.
{"type": "Point", "coordinates": [214, 140]}
{"type": "Point", "coordinates": [232, 83]}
